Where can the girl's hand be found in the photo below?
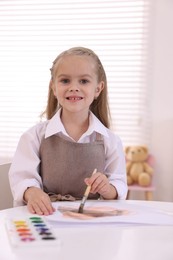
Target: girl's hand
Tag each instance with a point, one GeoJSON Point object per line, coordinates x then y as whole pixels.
{"type": "Point", "coordinates": [38, 202]}
{"type": "Point", "coordinates": [100, 183]}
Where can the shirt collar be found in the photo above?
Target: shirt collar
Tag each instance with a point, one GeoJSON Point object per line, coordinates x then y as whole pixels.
{"type": "Point", "coordinates": [55, 126]}
{"type": "Point", "coordinates": [96, 126]}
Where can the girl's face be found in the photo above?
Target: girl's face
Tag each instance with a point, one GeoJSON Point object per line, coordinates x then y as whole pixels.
{"type": "Point", "coordinates": [75, 83]}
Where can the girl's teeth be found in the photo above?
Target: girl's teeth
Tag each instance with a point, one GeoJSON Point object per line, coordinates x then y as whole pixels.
{"type": "Point", "coordinates": [74, 98]}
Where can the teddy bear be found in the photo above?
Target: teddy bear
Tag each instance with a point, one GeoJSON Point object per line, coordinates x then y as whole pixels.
{"type": "Point", "coordinates": [138, 170]}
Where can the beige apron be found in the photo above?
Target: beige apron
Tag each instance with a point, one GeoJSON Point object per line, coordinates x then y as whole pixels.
{"type": "Point", "coordinates": [65, 165]}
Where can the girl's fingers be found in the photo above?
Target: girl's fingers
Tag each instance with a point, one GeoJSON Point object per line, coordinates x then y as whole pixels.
{"type": "Point", "coordinates": [102, 187]}
{"type": "Point", "coordinates": [99, 183]}
{"type": "Point", "coordinates": [91, 180]}
{"type": "Point", "coordinates": [47, 205]}
{"type": "Point", "coordinates": [38, 202]}
{"type": "Point", "coordinates": [40, 207]}
{"type": "Point", "coordinates": [35, 208]}
{"type": "Point", "coordinates": [96, 185]}
{"type": "Point", "coordinates": [31, 209]}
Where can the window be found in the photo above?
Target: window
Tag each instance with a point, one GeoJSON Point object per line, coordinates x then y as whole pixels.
{"type": "Point", "coordinates": [34, 32]}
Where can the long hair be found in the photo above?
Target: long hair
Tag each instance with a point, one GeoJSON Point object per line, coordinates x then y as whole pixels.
{"type": "Point", "coordinates": [99, 106]}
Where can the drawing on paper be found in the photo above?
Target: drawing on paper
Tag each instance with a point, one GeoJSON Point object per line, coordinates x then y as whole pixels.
{"type": "Point", "coordinates": [92, 212]}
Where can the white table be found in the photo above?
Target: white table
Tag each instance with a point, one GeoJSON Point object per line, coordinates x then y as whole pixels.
{"type": "Point", "coordinates": [103, 242]}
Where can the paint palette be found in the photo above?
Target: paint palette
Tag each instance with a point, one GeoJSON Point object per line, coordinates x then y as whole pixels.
{"type": "Point", "coordinates": [32, 231]}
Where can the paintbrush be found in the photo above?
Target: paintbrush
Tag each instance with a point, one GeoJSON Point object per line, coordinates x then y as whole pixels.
{"type": "Point", "coordinates": [85, 196]}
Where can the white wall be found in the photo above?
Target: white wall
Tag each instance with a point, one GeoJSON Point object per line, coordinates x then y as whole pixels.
{"type": "Point", "coordinates": [161, 82]}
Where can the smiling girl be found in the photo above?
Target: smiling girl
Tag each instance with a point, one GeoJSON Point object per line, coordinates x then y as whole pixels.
{"type": "Point", "coordinates": [54, 159]}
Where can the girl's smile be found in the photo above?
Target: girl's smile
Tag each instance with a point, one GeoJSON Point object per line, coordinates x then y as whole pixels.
{"type": "Point", "coordinates": [74, 98]}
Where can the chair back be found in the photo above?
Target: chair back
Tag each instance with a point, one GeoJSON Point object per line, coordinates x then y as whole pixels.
{"type": "Point", "coordinates": [6, 198]}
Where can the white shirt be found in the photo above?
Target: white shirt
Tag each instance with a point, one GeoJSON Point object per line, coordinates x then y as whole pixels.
{"type": "Point", "coordinates": [24, 171]}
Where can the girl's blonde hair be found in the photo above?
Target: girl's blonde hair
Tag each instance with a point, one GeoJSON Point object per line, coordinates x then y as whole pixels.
{"type": "Point", "coordinates": [100, 105]}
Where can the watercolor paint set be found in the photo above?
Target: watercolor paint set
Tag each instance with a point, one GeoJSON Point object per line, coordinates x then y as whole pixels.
{"type": "Point", "coordinates": [32, 231]}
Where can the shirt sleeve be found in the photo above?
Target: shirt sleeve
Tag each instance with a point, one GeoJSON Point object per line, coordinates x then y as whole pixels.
{"type": "Point", "coordinates": [24, 170]}
{"type": "Point", "coordinates": [115, 167]}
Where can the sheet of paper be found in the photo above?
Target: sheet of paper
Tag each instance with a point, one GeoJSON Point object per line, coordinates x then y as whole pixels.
{"type": "Point", "coordinates": [109, 212]}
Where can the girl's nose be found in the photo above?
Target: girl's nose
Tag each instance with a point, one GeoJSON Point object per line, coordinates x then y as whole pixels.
{"type": "Point", "coordinates": [73, 87]}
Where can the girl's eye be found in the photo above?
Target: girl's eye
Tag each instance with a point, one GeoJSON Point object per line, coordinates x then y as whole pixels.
{"type": "Point", "coordinates": [65, 81]}
{"type": "Point", "coordinates": [84, 81]}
